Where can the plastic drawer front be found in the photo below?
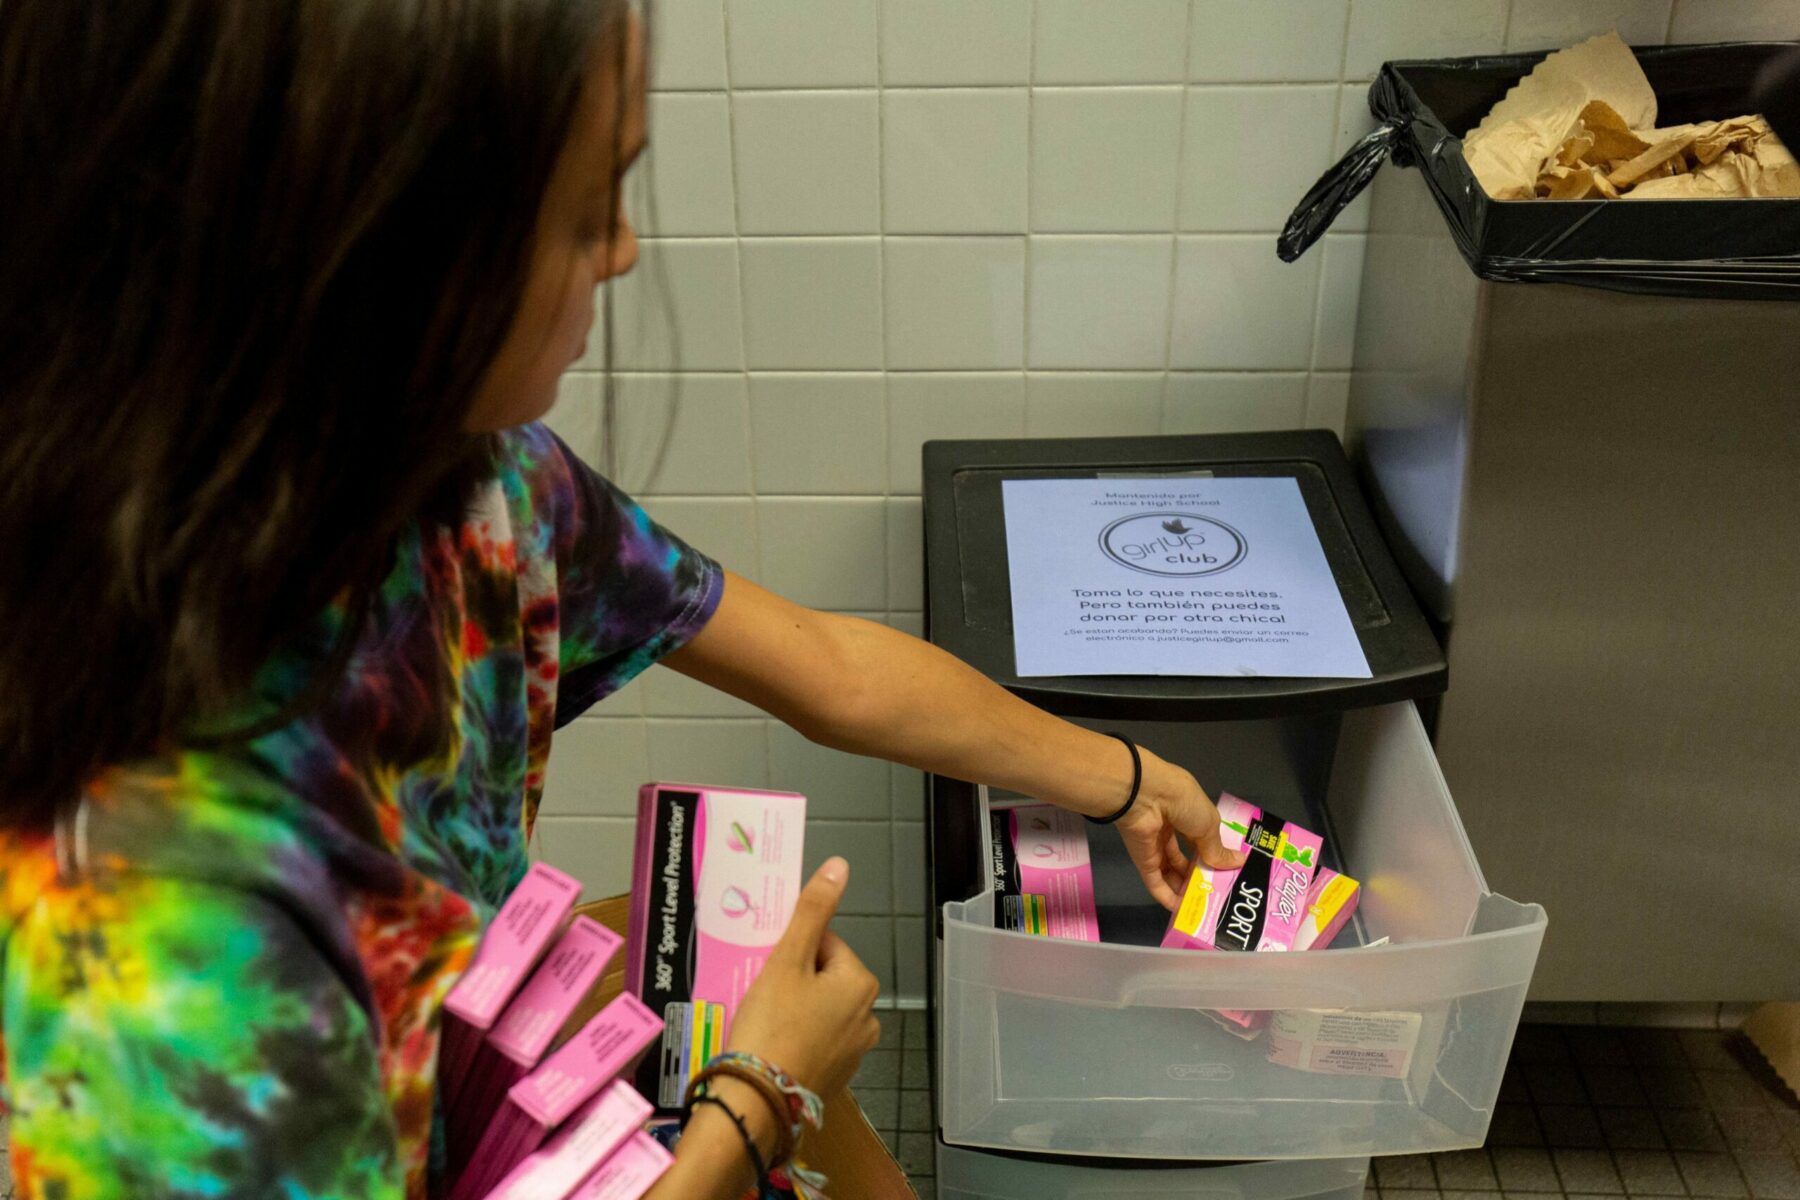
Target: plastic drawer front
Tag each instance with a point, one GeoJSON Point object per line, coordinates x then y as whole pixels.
{"type": "Point", "coordinates": [1074, 1048]}
{"type": "Point", "coordinates": [972, 1175]}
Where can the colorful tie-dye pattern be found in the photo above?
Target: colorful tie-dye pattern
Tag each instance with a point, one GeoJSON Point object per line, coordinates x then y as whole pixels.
{"type": "Point", "coordinates": [231, 986]}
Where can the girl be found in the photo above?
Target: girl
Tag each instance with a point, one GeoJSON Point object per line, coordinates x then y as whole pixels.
{"type": "Point", "coordinates": [298, 591]}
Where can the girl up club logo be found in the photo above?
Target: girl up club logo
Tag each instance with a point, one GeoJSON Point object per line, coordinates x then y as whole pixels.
{"type": "Point", "coordinates": [1173, 544]}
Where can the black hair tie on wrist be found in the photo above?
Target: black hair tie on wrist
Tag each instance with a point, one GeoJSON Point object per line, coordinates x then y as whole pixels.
{"type": "Point", "coordinates": [1137, 778]}
{"type": "Point", "coordinates": [750, 1147]}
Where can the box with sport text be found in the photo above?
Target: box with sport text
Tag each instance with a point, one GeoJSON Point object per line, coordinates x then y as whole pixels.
{"type": "Point", "coordinates": [715, 875]}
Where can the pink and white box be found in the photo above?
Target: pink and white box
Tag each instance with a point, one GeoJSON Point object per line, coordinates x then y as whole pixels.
{"type": "Point", "coordinates": [579, 1148]}
{"type": "Point", "coordinates": [1330, 903]}
{"type": "Point", "coordinates": [715, 876]}
{"type": "Point", "coordinates": [629, 1173]}
{"type": "Point", "coordinates": [522, 1035]}
{"type": "Point", "coordinates": [1043, 874]}
{"type": "Point", "coordinates": [539, 1103]}
{"type": "Point", "coordinates": [1259, 906]}
{"type": "Point", "coordinates": [509, 949]}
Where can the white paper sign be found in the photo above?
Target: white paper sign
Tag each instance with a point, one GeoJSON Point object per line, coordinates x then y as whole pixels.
{"type": "Point", "coordinates": [1173, 577]}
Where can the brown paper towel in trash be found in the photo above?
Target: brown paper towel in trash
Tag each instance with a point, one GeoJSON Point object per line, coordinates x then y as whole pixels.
{"type": "Point", "coordinates": [1582, 125]}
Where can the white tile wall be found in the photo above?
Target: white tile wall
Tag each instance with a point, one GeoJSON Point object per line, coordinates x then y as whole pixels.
{"type": "Point", "coordinates": [1232, 311]}
{"type": "Point", "coordinates": [679, 191]}
{"type": "Point", "coordinates": [826, 552]}
{"type": "Point", "coordinates": [801, 43]}
{"type": "Point", "coordinates": [1340, 285]}
{"type": "Point", "coordinates": [680, 308]}
{"type": "Point", "coordinates": [1553, 24]}
{"type": "Point", "coordinates": [814, 304]}
{"type": "Point", "coordinates": [923, 407]}
{"type": "Point", "coordinates": [818, 433]}
{"type": "Point", "coordinates": [687, 45]}
{"type": "Point", "coordinates": [591, 772]}
{"type": "Point", "coordinates": [1274, 41]}
{"type": "Point", "coordinates": [1100, 303]}
{"type": "Point", "coordinates": [1093, 403]}
{"type": "Point", "coordinates": [940, 43]}
{"type": "Point", "coordinates": [841, 787]}
{"type": "Point", "coordinates": [954, 159]}
{"type": "Point", "coordinates": [955, 303]}
{"type": "Point", "coordinates": [680, 435]}
{"type": "Point", "coordinates": [1231, 180]}
{"type": "Point", "coordinates": [1216, 402]}
{"type": "Point", "coordinates": [808, 162]}
{"type": "Point", "coordinates": [1397, 29]}
{"type": "Point", "coordinates": [1734, 20]}
{"type": "Point", "coordinates": [880, 222]}
{"type": "Point", "coordinates": [1118, 41]}
{"type": "Point", "coordinates": [1104, 159]}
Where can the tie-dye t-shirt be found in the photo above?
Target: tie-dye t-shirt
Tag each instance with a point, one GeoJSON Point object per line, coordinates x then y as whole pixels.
{"type": "Point", "coordinates": [222, 973]}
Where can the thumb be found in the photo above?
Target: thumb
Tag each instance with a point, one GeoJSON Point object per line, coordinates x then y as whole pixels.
{"type": "Point", "coordinates": [813, 911]}
{"type": "Point", "coordinates": [1209, 849]}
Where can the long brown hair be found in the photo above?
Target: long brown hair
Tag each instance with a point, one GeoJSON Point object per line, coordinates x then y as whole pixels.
{"type": "Point", "coordinates": [254, 260]}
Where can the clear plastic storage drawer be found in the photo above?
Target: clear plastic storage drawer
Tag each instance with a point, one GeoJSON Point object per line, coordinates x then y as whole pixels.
{"type": "Point", "coordinates": [974, 1175]}
{"type": "Point", "coordinates": [1076, 1048]}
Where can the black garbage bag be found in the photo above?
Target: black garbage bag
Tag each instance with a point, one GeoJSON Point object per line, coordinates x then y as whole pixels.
{"type": "Point", "coordinates": [1746, 249]}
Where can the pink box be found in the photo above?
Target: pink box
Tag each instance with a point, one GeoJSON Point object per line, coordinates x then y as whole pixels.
{"type": "Point", "coordinates": [544, 1099]}
{"type": "Point", "coordinates": [629, 1173]}
{"type": "Point", "coordinates": [509, 949]}
{"type": "Point", "coordinates": [607, 1122]}
{"type": "Point", "coordinates": [1043, 877]}
{"type": "Point", "coordinates": [1258, 906]}
{"type": "Point", "coordinates": [714, 879]}
{"type": "Point", "coordinates": [1330, 903]}
{"type": "Point", "coordinates": [522, 1035]}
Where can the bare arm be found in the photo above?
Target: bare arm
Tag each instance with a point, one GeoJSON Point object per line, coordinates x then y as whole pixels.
{"type": "Point", "coordinates": [711, 1162]}
{"type": "Point", "coordinates": [861, 687]}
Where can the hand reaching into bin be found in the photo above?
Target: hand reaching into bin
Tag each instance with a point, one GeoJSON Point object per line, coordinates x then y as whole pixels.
{"type": "Point", "coordinates": [1171, 805]}
{"type": "Point", "coordinates": [861, 687]}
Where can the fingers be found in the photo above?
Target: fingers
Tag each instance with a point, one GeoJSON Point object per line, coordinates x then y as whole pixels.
{"type": "Point", "coordinates": [1158, 887]}
{"type": "Point", "coordinates": [1211, 851]}
{"type": "Point", "coordinates": [813, 911]}
{"type": "Point", "coordinates": [839, 961]}
{"type": "Point", "coordinates": [835, 953]}
{"type": "Point", "coordinates": [1147, 855]}
{"type": "Point", "coordinates": [1174, 858]}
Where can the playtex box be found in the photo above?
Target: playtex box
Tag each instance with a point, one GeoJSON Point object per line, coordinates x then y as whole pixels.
{"type": "Point", "coordinates": [1043, 877]}
{"type": "Point", "coordinates": [1259, 906]}
{"type": "Point", "coordinates": [1330, 903]}
{"type": "Point", "coordinates": [715, 876]}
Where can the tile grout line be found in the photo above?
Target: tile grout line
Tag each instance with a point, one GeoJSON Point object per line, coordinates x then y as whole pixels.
{"type": "Point", "coordinates": [1031, 244]}
{"type": "Point", "coordinates": [1181, 151]}
{"type": "Point", "coordinates": [1137, 86]}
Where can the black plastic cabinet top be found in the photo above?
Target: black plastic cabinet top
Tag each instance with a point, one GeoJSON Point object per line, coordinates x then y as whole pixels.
{"type": "Point", "coordinates": [969, 598]}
